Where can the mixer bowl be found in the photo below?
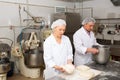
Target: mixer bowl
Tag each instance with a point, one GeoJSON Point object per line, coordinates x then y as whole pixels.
{"type": "Point", "coordinates": [103, 56]}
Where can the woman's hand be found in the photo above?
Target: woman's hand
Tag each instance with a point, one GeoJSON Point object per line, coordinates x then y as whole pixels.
{"type": "Point", "coordinates": [69, 68]}
{"type": "Point", "coordinates": [59, 68]}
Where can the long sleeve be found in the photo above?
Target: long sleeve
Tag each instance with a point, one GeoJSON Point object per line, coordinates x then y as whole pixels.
{"type": "Point", "coordinates": [70, 50]}
{"type": "Point", "coordinates": [57, 54]}
{"type": "Point", "coordinates": [82, 41]}
{"type": "Point", "coordinates": [48, 55]}
{"type": "Point", "coordinates": [78, 44]}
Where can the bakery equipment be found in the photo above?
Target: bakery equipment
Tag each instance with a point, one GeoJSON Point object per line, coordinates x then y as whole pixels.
{"type": "Point", "coordinates": [35, 21]}
{"type": "Point", "coordinates": [5, 54]}
{"type": "Point", "coordinates": [29, 52]}
{"type": "Point", "coordinates": [103, 56]}
{"type": "Point", "coordinates": [31, 46]}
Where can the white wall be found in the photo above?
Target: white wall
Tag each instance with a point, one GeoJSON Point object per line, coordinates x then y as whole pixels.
{"type": "Point", "coordinates": [101, 8]}
{"type": "Point", "coordinates": [10, 10]}
{"type": "Point", "coordinates": [12, 13]}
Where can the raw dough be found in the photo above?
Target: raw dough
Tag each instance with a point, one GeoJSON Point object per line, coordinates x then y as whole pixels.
{"type": "Point", "coordinates": [69, 68]}
{"type": "Point", "coordinates": [82, 68]}
{"type": "Point", "coordinates": [87, 74]}
{"type": "Point", "coordinates": [85, 71]}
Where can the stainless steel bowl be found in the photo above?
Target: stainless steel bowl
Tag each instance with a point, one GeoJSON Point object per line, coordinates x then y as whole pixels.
{"type": "Point", "coordinates": [103, 56]}
{"type": "Point", "coordinates": [34, 58]}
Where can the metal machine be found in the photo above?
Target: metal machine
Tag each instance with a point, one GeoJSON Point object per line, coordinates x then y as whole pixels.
{"type": "Point", "coordinates": [5, 54]}
{"type": "Point", "coordinates": [35, 21]}
{"type": "Point", "coordinates": [29, 50]}
{"type": "Point", "coordinates": [29, 47]}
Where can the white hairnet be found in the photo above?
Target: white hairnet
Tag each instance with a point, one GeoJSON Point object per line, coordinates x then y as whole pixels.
{"type": "Point", "coordinates": [87, 20]}
{"type": "Point", "coordinates": [58, 22]}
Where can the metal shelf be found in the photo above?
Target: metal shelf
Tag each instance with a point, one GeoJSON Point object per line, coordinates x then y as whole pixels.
{"type": "Point", "coordinates": [108, 19]}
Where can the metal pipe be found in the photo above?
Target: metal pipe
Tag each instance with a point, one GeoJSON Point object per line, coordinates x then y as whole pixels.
{"type": "Point", "coordinates": [109, 19]}
{"type": "Point", "coordinates": [14, 35]}
{"type": "Point", "coordinates": [86, 8]}
{"type": "Point", "coordinates": [14, 26]}
{"type": "Point", "coordinates": [92, 12]}
{"type": "Point", "coordinates": [27, 7]}
{"type": "Point", "coordinates": [31, 4]}
{"type": "Point", "coordinates": [20, 18]}
{"type": "Point", "coordinates": [108, 23]}
{"type": "Point", "coordinates": [27, 4]}
{"type": "Point", "coordinates": [82, 8]}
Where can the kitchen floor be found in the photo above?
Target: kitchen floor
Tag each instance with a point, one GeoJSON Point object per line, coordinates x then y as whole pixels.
{"type": "Point", "coordinates": [21, 77]}
{"type": "Point", "coordinates": [18, 76]}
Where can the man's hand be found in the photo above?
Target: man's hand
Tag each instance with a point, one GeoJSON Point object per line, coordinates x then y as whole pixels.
{"type": "Point", "coordinates": [93, 50]}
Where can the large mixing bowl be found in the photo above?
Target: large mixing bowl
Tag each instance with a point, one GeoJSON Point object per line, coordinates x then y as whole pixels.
{"type": "Point", "coordinates": [34, 58]}
{"type": "Point", "coordinates": [103, 56]}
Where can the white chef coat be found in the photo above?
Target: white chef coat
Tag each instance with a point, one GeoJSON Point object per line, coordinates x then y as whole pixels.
{"type": "Point", "coordinates": [82, 40]}
{"type": "Point", "coordinates": [55, 53]}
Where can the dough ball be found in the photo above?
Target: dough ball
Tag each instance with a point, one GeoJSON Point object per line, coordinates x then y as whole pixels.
{"type": "Point", "coordinates": [69, 68]}
{"type": "Point", "coordinates": [82, 68]}
{"type": "Point", "coordinates": [87, 74]}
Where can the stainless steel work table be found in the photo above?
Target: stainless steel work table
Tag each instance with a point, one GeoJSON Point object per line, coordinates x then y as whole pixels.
{"type": "Point", "coordinates": [110, 71]}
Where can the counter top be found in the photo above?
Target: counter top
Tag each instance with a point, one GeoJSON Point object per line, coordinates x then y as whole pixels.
{"type": "Point", "coordinates": [110, 71]}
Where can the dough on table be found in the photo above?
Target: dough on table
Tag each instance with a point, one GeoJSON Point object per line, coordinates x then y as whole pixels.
{"type": "Point", "coordinates": [69, 68]}
{"type": "Point", "coordinates": [82, 68]}
{"type": "Point", "coordinates": [87, 74]}
{"type": "Point", "coordinates": [85, 71]}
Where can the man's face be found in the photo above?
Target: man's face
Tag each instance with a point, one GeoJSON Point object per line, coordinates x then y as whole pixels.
{"type": "Point", "coordinates": [89, 26]}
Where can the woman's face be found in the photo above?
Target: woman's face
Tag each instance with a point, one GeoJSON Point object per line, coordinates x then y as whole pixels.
{"type": "Point", "coordinates": [59, 30]}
